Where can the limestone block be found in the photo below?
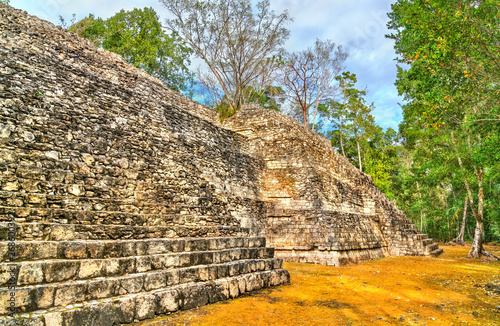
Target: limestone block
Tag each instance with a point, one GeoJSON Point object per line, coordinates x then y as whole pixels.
{"type": "Point", "coordinates": [234, 254]}
{"type": "Point", "coordinates": [112, 249]}
{"type": "Point", "coordinates": [43, 296]}
{"type": "Point", "coordinates": [178, 245]}
{"type": "Point", "coordinates": [171, 261]}
{"type": "Point", "coordinates": [72, 250]}
{"type": "Point", "coordinates": [253, 282]}
{"type": "Point", "coordinates": [222, 271]}
{"type": "Point", "coordinates": [167, 301]}
{"type": "Point", "coordinates": [30, 273]}
{"type": "Point", "coordinates": [70, 293]}
{"type": "Point", "coordinates": [129, 248]}
{"type": "Point", "coordinates": [155, 280]}
{"type": "Point", "coordinates": [173, 277]}
{"type": "Point", "coordinates": [111, 267]}
{"type": "Point", "coordinates": [145, 307]}
{"type": "Point", "coordinates": [53, 319]}
{"type": "Point", "coordinates": [158, 261]}
{"type": "Point", "coordinates": [242, 283]}
{"type": "Point", "coordinates": [102, 288]}
{"type": "Point", "coordinates": [234, 289]}
{"type": "Point", "coordinates": [143, 264]}
{"type": "Point", "coordinates": [8, 273]}
{"type": "Point", "coordinates": [92, 314]}
{"type": "Point", "coordinates": [56, 271]}
{"type": "Point", "coordinates": [46, 250]}
{"type": "Point", "coordinates": [233, 269]}
{"type": "Point", "coordinates": [25, 250]}
{"type": "Point", "coordinates": [22, 298]}
{"type": "Point", "coordinates": [127, 265]}
{"type": "Point", "coordinates": [125, 308]}
{"type": "Point", "coordinates": [95, 249]}
{"type": "Point", "coordinates": [195, 295]}
{"type": "Point", "coordinates": [90, 268]}
{"type": "Point", "coordinates": [131, 284]}
{"type": "Point", "coordinates": [221, 290]}
{"type": "Point", "coordinates": [184, 259]}
{"type": "Point", "coordinates": [159, 246]}
{"type": "Point", "coordinates": [224, 256]}
{"type": "Point", "coordinates": [187, 275]}
{"type": "Point", "coordinates": [62, 232]}
{"type": "Point", "coordinates": [141, 248]}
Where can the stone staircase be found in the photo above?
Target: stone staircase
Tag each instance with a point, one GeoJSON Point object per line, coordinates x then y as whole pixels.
{"type": "Point", "coordinates": [431, 248]}
{"type": "Point", "coordinates": [89, 281]}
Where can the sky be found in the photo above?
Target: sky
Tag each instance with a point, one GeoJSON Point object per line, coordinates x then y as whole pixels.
{"type": "Point", "coordinates": [358, 25]}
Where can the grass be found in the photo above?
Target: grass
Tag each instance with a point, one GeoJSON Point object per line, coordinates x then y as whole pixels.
{"type": "Point", "coordinates": [448, 290]}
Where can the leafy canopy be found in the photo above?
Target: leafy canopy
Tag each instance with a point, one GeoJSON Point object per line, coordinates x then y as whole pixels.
{"type": "Point", "coordinates": [137, 35]}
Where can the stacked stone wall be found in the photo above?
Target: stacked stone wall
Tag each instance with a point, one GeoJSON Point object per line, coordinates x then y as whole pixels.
{"type": "Point", "coordinates": [324, 210]}
{"type": "Point", "coordinates": [128, 200]}
{"type": "Point", "coordinates": [88, 139]}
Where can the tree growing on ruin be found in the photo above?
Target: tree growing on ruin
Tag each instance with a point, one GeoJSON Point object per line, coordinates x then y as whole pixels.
{"type": "Point", "coordinates": [308, 77]}
{"type": "Point", "coordinates": [138, 37]}
{"type": "Point", "coordinates": [238, 43]}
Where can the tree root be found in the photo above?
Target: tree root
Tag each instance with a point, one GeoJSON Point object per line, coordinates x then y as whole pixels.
{"type": "Point", "coordinates": [458, 242]}
{"type": "Point", "coordinates": [489, 254]}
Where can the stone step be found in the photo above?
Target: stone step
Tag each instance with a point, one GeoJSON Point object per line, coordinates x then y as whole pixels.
{"type": "Point", "coordinates": [59, 294]}
{"type": "Point", "coordinates": [59, 270]}
{"type": "Point", "coordinates": [62, 232]}
{"type": "Point", "coordinates": [436, 252]}
{"type": "Point", "coordinates": [120, 214]}
{"type": "Point", "coordinates": [431, 247]}
{"type": "Point", "coordinates": [415, 231]}
{"type": "Point", "coordinates": [125, 309]}
{"type": "Point", "coordinates": [421, 236]}
{"type": "Point", "coordinates": [91, 249]}
{"type": "Point", "coordinates": [427, 241]}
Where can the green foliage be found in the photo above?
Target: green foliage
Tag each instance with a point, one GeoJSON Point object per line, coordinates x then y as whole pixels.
{"type": "Point", "coordinates": [138, 36]}
{"type": "Point", "coordinates": [452, 119]}
{"type": "Point", "coordinates": [5, 1]}
{"type": "Point", "coordinates": [269, 97]}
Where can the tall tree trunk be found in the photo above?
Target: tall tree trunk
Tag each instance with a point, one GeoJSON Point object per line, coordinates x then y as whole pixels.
{"type": "Point", "coordinates": [460, 238]}
{"type": "Point", "coordinates": [477, 245]}
{"type": "Point", "coordinates": [477, 249]}
{"type": "Point", "coordinates": [314, 115]}
{"type": "Point", "coordinates": [422, 214]}
{"type": "Point", "coordinates": [341, 137]}
{"type": "Point", "coordinates": [304, 111]}
{"type": "Point", "coordinates": [359, 155]}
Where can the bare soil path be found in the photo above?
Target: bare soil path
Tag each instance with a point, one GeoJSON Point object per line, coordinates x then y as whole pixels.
{"type": "Point", "coordinates": [448, 290]}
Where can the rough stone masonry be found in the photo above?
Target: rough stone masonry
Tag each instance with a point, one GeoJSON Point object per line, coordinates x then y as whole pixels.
{"type": "Point", "coordinates": [132, 201]}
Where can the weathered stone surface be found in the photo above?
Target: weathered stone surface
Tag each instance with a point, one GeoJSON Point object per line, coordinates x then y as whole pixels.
{"type": "Point", "coordinates": [319, 207]}
{"type": "Point", "coordinates": [140, 202]}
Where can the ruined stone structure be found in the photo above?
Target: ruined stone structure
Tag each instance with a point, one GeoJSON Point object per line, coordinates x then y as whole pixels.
{"type": "Point", "coordinates": [324, 210]}
{"type": "Point", "coordinates": [130, 200]}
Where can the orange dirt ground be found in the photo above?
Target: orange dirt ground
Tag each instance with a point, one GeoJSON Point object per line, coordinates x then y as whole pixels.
{"type": "Point", "coordinates": [448, 290]}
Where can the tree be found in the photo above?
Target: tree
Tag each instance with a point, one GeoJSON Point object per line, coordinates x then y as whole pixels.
{"type": "Point", "coordinates": [452, 86]}
{"type": "Point", "coordinates": [235, 42]}
{"type": "Point", "coordinates": [138, 36]}
{"type": "Point", "coordinates": [5, 1]}
{"type": "Point", "coordinates": [351, 115]}
{"type": "Point", "coordinates": [336, 111]}
{"type": "Point", "coordinates": [308, 76]}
